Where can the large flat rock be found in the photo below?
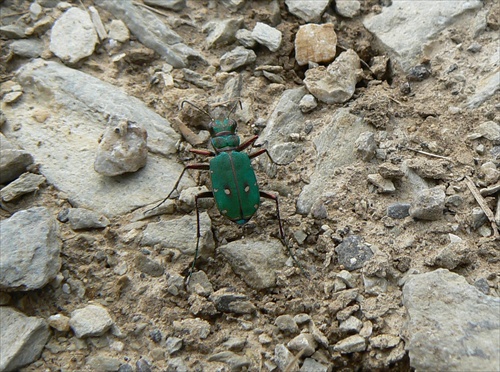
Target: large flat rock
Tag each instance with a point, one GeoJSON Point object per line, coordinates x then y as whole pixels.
{"type": "Point", "coordinates": [78, 107]}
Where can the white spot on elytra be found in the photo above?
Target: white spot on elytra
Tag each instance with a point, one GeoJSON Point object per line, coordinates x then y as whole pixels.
{"type": "Point", "coordinates": [227, 191]}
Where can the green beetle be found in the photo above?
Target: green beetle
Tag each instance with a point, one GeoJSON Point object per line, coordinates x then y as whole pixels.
{"type": "Point", "coordinates": [234, 184]}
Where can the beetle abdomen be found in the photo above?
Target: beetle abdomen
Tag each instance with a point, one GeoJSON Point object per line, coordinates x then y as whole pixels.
{"type": "Point", "coordinates": [234, 186]}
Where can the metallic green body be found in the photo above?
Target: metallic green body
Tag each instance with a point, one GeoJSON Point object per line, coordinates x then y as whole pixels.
{"type": "Point", "coordinates": [234, 186]}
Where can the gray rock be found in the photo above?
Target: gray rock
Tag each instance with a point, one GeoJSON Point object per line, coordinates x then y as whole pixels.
{"type": "Point", "coordinates": [59, 322]}
{"type": "Point", "coordinates": [308, 103]}
{"type": "Point", "coordinates": [267, 36]}
{"type": "Point", "coordinates": [117, 30]}
{"type": "Point", "coordinates": [151, 31]}
{"type": "Point", "coordinates": [199, 284]}
{"type": "Point", "coordinates": [181, 234]}
{"type": "Point", "coordinates": [29, 48]}
{"type": "Point", "coordinates": [351, 325]}
{"type": "Point", "coordinates": [383, 185]}
{"type": "Point", "coordinates": [282, 357]}
{"type": "Point", "coordinates": [103, 363]}
{"type": "Point", "coordinates": [143, 365]}
{"type": "Point", "coordinates": [236, 58]}
{"type": "Point", "coordinates": [235, 361]}
{"type": "Point", "coordinates": [366, 146]}
{"type": "Point", "coordinates": [83, 219]}
{"type": "Point", "coordinates": [235, 343]}
{"type": "Point", "coordinates": [285, 120]}
{"type": "Point", "coordinates": [315, 43]}
{"type": "Point", "coordinates": [384, 341]}
{"type": "Point", "coordinates": [428, 204]}
{"type": "Point", "coordinates": [126, 368]}
{"type": "Point", "coordinates": [351, 344]}
{"type": "Point", "coordinates": [486, 88]}
{"type": "Point", "coordinates": [193, 330]}
{"type": "Point", "coordinates": [173, 345]}
{"type": "Point", "coordinates": [90, 321]}
{"type": "Point", "coordinates": [148, 266]}
{"type": "Point", "coordinates": [175, 5]}
{"type": "Point", "coordinates": [418, 27]}
{"type": "Point", "coordinates": [453, 255]}
{"type": "Point", "coordinates": [233, 5]}
{"type": "Point", "coordinates": [489, 130]}
{"type": "Point", "coordinates": [353, 253]}
{"type": "Point", "coordinates": [337, 82]}
{"type": "Point", "coordinates": [13, 162]}
{"type": "Point", "coordinates": [374, 285]}
{"type": "Point", "coordinates": [29, 257]}
{"type": "Point", "coordinates": [66, 152]}
{"type": "Point", "coordinates": [26, 183]}
{"type": "Point", "coordinates": [255, 261]}
{"type": "Point", "coordinates": [286, 324]}
{"type": "Point", "coordinates": [245, 38]}
{"type": "Point", "coordinates": [311, 365]}
{"type": "Point", "coordinates": [22, 338]}
{"type": "Point", "coordinates": [177, 365]}
{"type": "Point", "coordinates": [348, 8]}
{"type": "Point", "coordinates": [122, 149]}
{"type": "Point", "coordinates": [222, 31]}
{"type": "Point", "coordinates": [304, 342]}
{"type": "Point", "coordinates": [335, 148]}
{"type": "Point", "coordinates": [454, 314]}
{"type": "Point", "coordinates": [398, 210]}
{"type": "Point", "coordinates": [13, 31]}
{"type": "Point", "coordinates": [228, 301]}
{"type": "Point", "coordinates": [73, 36]}
{"type": "Point", "coordinates": [309, 11]}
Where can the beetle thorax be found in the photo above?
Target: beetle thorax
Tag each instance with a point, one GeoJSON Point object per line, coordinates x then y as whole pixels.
{"type": "Point", "coordinates": [224, 137]}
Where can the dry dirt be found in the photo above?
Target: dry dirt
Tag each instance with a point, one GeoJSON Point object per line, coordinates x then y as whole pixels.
{"type": "Point", "coordinates": [419, 121]}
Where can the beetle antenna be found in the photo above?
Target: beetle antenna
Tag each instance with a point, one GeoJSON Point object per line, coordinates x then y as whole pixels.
{"type": "Point", "coordinates": [234, 107]}
{"type": "Point", "coordinates": [196, 107]}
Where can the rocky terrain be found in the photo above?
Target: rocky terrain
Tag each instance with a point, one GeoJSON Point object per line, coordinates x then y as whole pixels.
{"type": "Point", "coordinates": [382, 119]}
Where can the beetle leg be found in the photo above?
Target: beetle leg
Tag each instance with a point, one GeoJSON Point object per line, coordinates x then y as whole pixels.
{"type": "Point", "coordinates": [205, 194]}
{"type": "Point", "coordinates": [267, 195]}
{"type": "Point", "coordinates": [202, 152]}
{"type": "Point", "coordinates": [247, 143]}
{"type": "Point", "coordinates": [260, 152]}
{"type": "Point", "coordinates": [201, 166]}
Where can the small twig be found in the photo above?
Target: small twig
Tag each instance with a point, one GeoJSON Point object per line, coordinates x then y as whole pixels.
{"type": "Point", "coordinates": [430, 154]}
{"type": "Point", "coordinates": [395, 100]}
{"type": "Point", "coordinates": [482, 203]}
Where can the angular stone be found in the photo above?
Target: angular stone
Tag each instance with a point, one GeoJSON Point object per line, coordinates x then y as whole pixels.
{"type": "Point", "coordinates": [337, 82]}
{"type": "Point", "coordinates": [255, 261]}
{"type": "Point", "coordinates": [428, 204]}
{"type": "Point", "coordinates": [29, 257]}
{"type": "Point", "coordinates": [353, 252]}
{"type": "Point", "coordinates": [315, 43]}
{"type": "Point", "coordinates": [90, 321]}
{"type": "Point", "coordinates": [73, 36]}
{"type": "Point", "coordinates": [445, 310]}
{"type": "Point", "coordinates": [180, 233]}
{"type": "Point", "coordinates": [309, 11]}
{"type": "Point", "coordinates": [348, 8]}
{"type": "Point", "coordinates": [351, 344]}
{"type": "Point", "coordinates": [222, 31]}
{"type": "Point", "coordinates": [267, 36]}
{"type": "Point", "coordinates": [122, 149]}
{"type": "Point", "coordinates": [22, 339]}
{"type": "Point", "coordinates": [236, 58]}
{"type": "Point", "coordinates": [28, 182]}
{"type": "Point", "coordinates": [83, 219]}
